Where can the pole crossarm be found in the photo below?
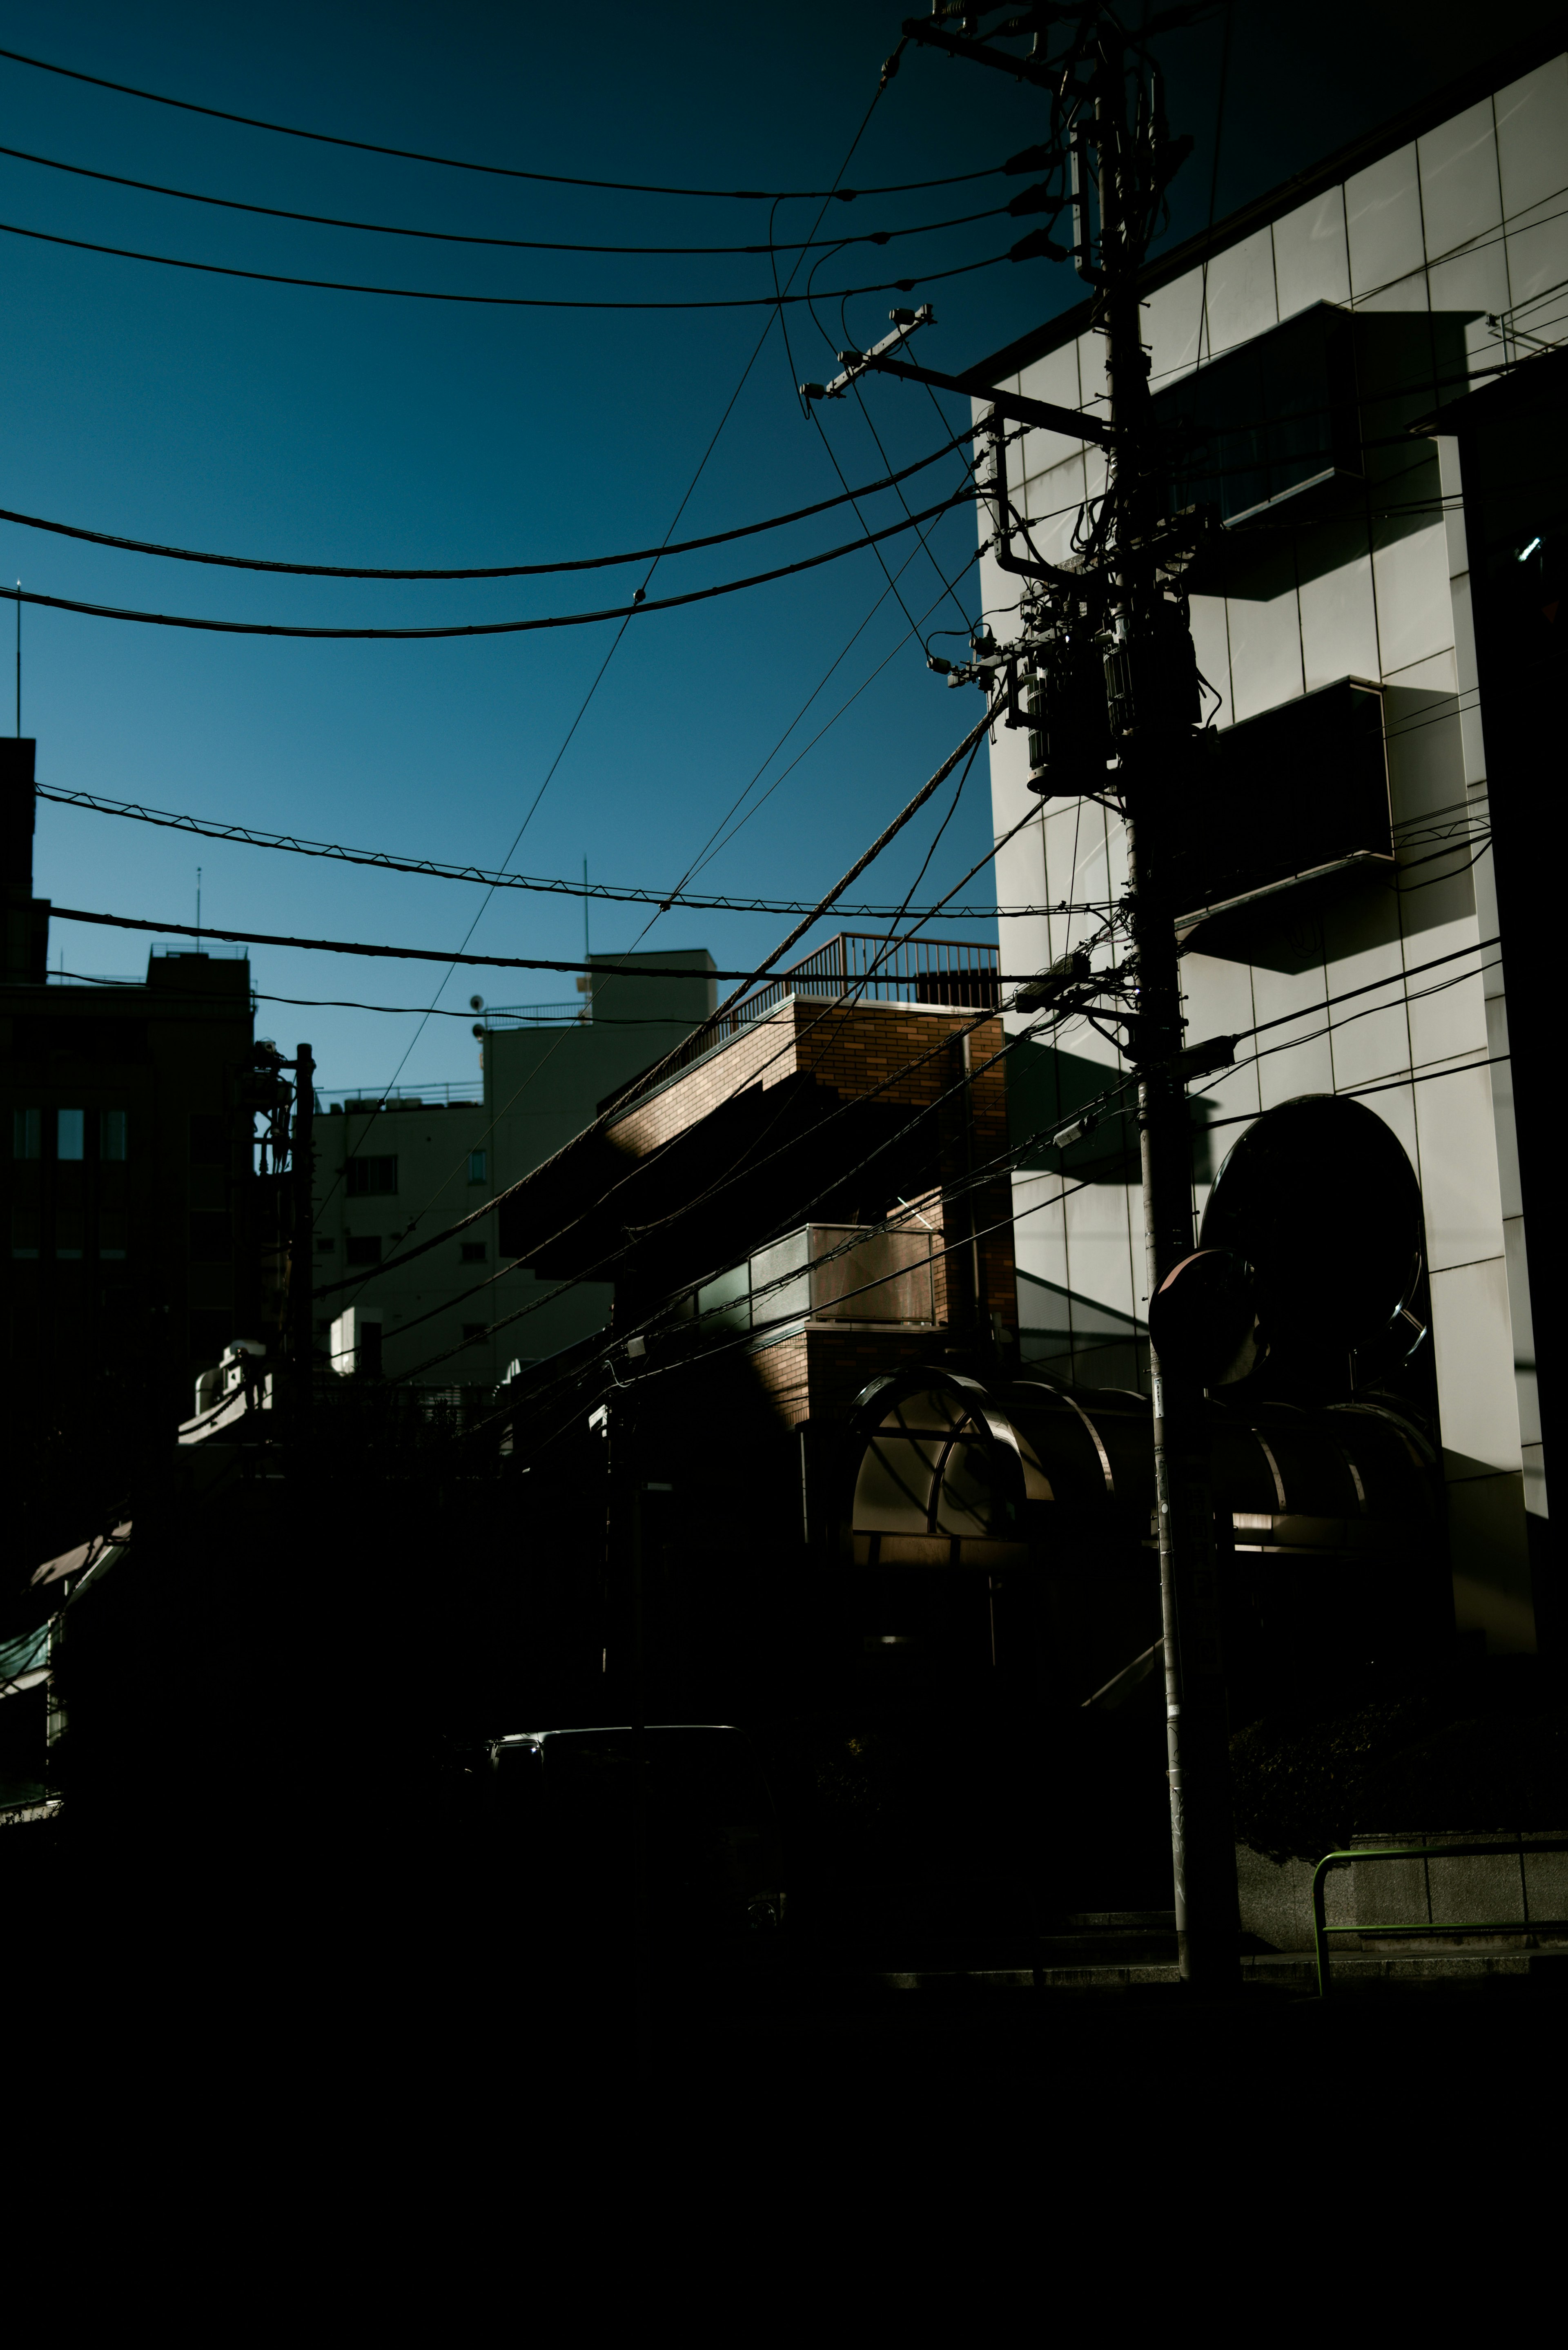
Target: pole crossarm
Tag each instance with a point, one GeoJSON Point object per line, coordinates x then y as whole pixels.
{"type": "Point", "coordinates": [881, 360]}
{"type": "Point", "coordinates": [931, 35]}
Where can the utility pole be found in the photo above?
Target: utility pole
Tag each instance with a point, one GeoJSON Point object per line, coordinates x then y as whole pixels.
{"type": "Point", "coordinates": [301, 1271]}
{"type": "Point", "coordinates": [1103, 671]}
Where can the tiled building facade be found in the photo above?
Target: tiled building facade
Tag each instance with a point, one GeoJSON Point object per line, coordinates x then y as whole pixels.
{"type": "Point", "coordinates": [1445, 244]}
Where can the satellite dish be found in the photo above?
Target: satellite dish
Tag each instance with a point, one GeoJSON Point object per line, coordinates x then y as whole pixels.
{"type": "Point", "coordinates": [1319, 1199]}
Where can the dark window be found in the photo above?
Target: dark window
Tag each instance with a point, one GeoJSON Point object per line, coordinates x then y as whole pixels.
{"type": "Point", "coordinates": [369, 1352]}
{"type": "Point", "coordinates": [371, 1178]}
{"type": "Point", "coordinates": [363, 1248]}
{"type": "Point", "coordinates": [1267, 419]}
{"type": "Point", "coordinates": [111, 1135]}
{"type": "Point", "coordinates": [476, 1164]}
{"type": "Point", "coordinates": [325, 1248]}
{"type": "Point", "coordinates": [474, 1251]}
{"type": "Point", "coordinates": [208, 1141]}
{"type": "Point", "coordinates": [1291, 792]}
{"type": "Point", "coordinates": [43, 1035]}
{"type": "Point", "coordinates": [211, 1239]}
{"type": "Point", "coordinates": [26, 1134]}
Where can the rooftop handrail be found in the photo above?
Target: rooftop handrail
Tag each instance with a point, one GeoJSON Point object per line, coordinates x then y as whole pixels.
{"type": "Point", "coordinates": [952, 974]}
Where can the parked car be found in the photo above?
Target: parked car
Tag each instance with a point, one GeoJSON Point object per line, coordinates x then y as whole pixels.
{"type": "Point", "coordinates": [565, 1806]}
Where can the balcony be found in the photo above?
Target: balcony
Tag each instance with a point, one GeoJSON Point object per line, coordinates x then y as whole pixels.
{"type": "Point", "coordinates": [825, 1274]}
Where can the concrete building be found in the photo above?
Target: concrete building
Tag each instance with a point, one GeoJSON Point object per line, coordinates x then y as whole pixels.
{"type": "Point", "coordinates": [392, 1169]}
{"type": "Point", "coordinates": [1318, 350]}
{"type": "Point", "coordinates": [132, 1212]}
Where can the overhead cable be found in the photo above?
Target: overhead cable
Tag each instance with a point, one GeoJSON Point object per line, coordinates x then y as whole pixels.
{"type": "Point", "coordinates": [510, 243]}
{"type": "Point", "coordinates": [496, 171]}
{"type": "Point", "coordinates": [491, 570]}
{"type": "Point", "coordinates": [495, 627]}
{"type": "Point", "coordinates": [490, 301]}
{"type": "Point", "coordinates": [619, 1103]}
{"type": "Point", "coordinates": [709, 1026]}
{"type": "Point", "coordinates": [600, 969]}
{"type": "Point", "coordinates": [601, 892]}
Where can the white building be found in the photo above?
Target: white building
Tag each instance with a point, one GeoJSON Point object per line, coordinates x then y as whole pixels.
{"type": "Point", "coordinates": [393, 1171]}
{"type": "Point", "coordinates": [1426, 257]}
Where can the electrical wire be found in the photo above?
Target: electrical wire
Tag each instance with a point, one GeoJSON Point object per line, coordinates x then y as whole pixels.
{"type": "Point", "coordinates": [485, 301]}
{"type": "Point", "coordinates": [690, 490]}
{"type": "Point", "coordinates": [598, 892]}
{"type": "Point", "coordinates": [344, 946]}
{"type": "Point", "coordinates": [485, 571]}
{"type": "Point", "coordinates": [618, 1106]}
{"type": "Point", "coordinates": [497, 170]}
{"type": "Point", "coordinates": [510, 243]}
{"type": "Point", "coordinates": [491, 627]}
{"type": "Point", "coordinates": [753, 1167]}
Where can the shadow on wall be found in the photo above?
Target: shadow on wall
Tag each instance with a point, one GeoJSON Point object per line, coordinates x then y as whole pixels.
{"type": "Point", "coordinates": [1044, 1087]}
{"type": "Point", "coordinates": [1090, 1343]}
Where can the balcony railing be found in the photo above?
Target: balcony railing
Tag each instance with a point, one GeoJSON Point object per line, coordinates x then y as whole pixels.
{"type": "Point", "coordinates": [857, 967]}
{"type": "Point", "coordinates": [825, 1272]}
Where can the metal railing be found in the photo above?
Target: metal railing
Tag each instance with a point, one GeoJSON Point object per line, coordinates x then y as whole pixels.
{"type": "Point", "coordinates": [539, 1015]}
{"type": "Point", "coordinates": [355, 1097]}
{"type": "Point", "coordinates": [1493, 1851]}
{"type": "Point", "coordinates": [938, 974]}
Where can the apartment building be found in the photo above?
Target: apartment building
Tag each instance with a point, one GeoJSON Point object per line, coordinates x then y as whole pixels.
{"type": "Point", "coordinates": [132, 1209]}
{"type": "Point", "coordinates": [393, 1168]}
{"type": "Point", "coordinates": [1359, 372]}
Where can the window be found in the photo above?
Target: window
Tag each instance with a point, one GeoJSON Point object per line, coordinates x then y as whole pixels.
{"type": "Point", "coordinates": [111, 1236]}
{"type": "Point", "coordinates": [111, 1137]}
{"type": "Point", "coordinates": [70, 1134]}
{"type": "Point", "coordinates": [471, 1331]}
{"type": "Point", "coordinates": [1296, 790]}
{"type": "Point", "coordinates": [476, 1165]}
{"type": "Point", "coordinates": [372, 1178]}
{"type": "Point", "coordinates": [211, 1239]}
{"type": "Point", "coordinates": [27, 1133]}
{"type": "Point", "coordinates": [1272, 417]}
{"type": "Point", "coordinates": [27, 1231]}
{"type": "Point", "coordinates": [208, 1141]}
{"type": "Point", "coordinates": [474, 1251]}
{"type": "Point", "coordinates": [324, 1247]}
{"type": "Point", "coordinates": [363, 1248]}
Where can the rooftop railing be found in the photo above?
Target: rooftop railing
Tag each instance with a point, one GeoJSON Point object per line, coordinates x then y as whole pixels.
{"type": "Point", "coordinates": [857, 967]}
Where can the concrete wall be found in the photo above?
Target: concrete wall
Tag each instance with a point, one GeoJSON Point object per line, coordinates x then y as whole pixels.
{"type": "Point", "coordinates": [1520, 1884]}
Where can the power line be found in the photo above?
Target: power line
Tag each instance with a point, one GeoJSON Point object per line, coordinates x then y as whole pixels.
{"type": "Point", "coordinates": [324, 1003]}
{"type": "Point", "coordinates": [615, 640]}
{"type": "Point", "coordinates": [711, 1025]}
{"type": "Point", "coordinates": [486, 301]}
{"type": "Point", "coordinates": [497, 170]}
{"type": "Point", "coordinates": [344, 946]}
{"type": "Point", "coordinates": [485, 571]}
{"type": "Point", "coordinates": [494, 628]}
{"type": "Point", "coordinates": [510, 243]}
{"type": "Point", "coordinates": [837, 1011]}
{"type": "Point", "coordinates": [601, 892]}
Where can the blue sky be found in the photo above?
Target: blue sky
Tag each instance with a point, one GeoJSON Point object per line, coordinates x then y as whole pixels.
{"type": "Point", "coordinates": [342, 428]}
